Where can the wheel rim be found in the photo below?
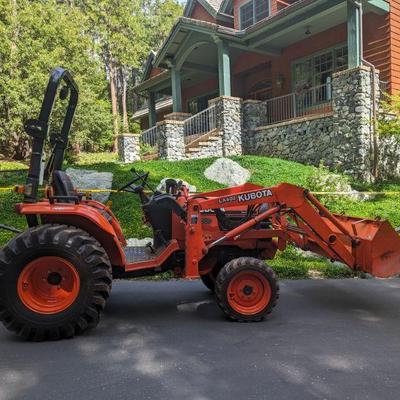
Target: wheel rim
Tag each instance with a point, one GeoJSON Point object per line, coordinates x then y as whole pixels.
{"type": "Point", "coordinates": [249, 292]}
{"type": "Point", "coordinates": [48, 285]}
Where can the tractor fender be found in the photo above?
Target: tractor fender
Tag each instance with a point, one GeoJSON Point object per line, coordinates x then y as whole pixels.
{"type": "Point", "coordinates": [82, 216]}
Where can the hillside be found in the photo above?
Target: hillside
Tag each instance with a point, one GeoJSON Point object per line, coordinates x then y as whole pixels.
{"type": "Point", "coordinates": [265, 171]}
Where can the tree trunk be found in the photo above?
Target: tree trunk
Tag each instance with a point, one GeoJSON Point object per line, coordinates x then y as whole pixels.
{"type": "Point", "coordinates": [114, 102]}
{"type": "Point", "coordinates": [135, 99]}
{"type": "Point", "coordinates": [125, 122]}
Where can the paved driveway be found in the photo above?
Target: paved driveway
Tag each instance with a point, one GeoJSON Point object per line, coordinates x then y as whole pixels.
{"type": "Point", "coordinates": [168, 340]}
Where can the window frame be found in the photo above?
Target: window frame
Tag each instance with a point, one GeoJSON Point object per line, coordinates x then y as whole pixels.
{"type": "Point", "coordinates": [311, 57]}
{"type": "Point", "coordinates": [254, 19]}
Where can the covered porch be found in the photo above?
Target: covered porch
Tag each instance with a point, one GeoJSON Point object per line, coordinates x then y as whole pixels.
{"type": "Point", "coordinates": [293, 53]}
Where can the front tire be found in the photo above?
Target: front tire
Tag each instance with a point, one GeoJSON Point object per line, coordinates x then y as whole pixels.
{"type": "Point", "coordinates": [246, 289]}
{"type": "Point", "coordinates": [54, 282]}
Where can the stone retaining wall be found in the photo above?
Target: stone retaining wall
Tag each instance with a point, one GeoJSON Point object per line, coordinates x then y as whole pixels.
{"type": "Point", "coordinates": [343, 139]}
{"type": "Point", "coordinates": [308, 140]}
{"type": "Point", "coordinates": [389, 157]}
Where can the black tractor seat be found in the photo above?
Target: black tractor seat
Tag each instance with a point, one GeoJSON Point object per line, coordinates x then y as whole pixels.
{"type": "Point", "coordinates": [63, 188]}
{"type": "Point", "coordinates": [62, 184]}
{"type": "Point", "coordinates": [158, 212]}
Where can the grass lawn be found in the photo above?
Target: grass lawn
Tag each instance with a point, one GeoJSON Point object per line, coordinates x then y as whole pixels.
{"type": "Point", "coordinates": [265, 171]}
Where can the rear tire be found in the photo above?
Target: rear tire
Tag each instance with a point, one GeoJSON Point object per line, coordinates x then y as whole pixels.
{"type": "Point", "coordinates": [54, 282]}
{"type": "Point", "coordinates": [246, 289]}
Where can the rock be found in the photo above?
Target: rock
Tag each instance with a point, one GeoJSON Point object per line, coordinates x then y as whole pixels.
{"type": "Point", "coordinates": [89, 179]}
{"type": "Point", "coordinates": [135, 242]}
{"type": "Point", "coordinates": [227, 172]}
{"type": "Point", "coordinates": [161, 187]}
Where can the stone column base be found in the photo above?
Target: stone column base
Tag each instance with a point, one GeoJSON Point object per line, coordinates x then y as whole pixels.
{"type": "Point", "coordinates": [229, 121]}
{"type": "Point", "coordinates": [171, 142]}
{"type": "Point", "coordinates": [129, 148]}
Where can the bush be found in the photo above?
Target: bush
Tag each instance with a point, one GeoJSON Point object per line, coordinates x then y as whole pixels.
{"type": "Point", "coordinates": [146, 149]}
{"type": "Point", "coordinates": [389, 122]}
{"type": "Point", "coordinates": [325, 181]}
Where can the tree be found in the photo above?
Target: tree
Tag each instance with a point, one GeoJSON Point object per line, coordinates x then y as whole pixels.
{"type": "Point", "coordinates": [102, 42]}
{"type": "Point", "coordinates": [45, 34]}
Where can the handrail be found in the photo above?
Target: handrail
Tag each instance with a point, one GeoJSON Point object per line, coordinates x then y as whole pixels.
{"type": "Point", "coordinates": [197, 125]}
{"type": "Point", "coordinates": [150, 136]}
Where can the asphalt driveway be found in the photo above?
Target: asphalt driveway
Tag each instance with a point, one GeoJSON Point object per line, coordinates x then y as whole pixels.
{"type": "Point", "coordinates": [331, 339]}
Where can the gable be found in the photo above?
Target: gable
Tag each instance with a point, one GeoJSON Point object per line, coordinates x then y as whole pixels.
{"type": "Point", "coordinates": [200, 13]}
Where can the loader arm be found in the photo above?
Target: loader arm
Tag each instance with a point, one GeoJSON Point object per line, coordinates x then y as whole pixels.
{"type": "Point", "coordinates": [303, 220]}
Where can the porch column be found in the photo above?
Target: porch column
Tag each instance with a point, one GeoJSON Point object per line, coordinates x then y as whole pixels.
{"type": "Point", "coordinates": [354, 40]}
{"type": "Point", "coordinates": [152, 109]}
{"type": "Point", "coordinates": [176, 90]}
{"type": "Point", "coordinates": [224, 68]}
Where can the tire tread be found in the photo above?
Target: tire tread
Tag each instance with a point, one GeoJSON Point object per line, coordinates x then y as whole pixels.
{"type": "Point", "coordinates": [91, 252]}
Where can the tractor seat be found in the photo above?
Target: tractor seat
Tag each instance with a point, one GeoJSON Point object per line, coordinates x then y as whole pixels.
{"type": "Point", "coordinates": [159, 212]}
{"type": "Point", "coordinates": [62, 184]}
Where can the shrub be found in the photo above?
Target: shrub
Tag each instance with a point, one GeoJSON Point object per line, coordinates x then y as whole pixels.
{"type": "Point", "coordinates": [389, 121]}
{"type": "Point", "coordinates": [325, 181]}
{"type": "Point", "coordinates": [147, 149]}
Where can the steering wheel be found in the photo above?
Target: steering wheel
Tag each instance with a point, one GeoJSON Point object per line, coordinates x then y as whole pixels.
{"type": "Point", "coordinates": [130, 187]}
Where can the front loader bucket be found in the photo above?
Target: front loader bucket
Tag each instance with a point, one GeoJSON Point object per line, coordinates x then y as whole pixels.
{"type": "Point", "coordinates": [379, 250]}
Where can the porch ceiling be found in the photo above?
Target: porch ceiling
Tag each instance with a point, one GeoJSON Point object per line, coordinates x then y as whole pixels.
{"type": "Point", "coordinates": [318, 16]}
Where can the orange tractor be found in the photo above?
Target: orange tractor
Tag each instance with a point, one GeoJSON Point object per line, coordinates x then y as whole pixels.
{"type": "Point", "coordinates": [55, 277]}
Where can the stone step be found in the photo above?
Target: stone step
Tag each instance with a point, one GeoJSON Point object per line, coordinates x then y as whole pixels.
{"type": "Point", "coordinates": [204, 143]}
{"type": "Point", "coordinates": [209, 142]}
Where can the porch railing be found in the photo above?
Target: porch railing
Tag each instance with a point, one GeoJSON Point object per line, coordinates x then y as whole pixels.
{"type": "Point", "coordinates": [199, 124]}
{"type": "Point", "coordinates": [149, 137]}
{"type": "Point", "coordinates": [313, 101]}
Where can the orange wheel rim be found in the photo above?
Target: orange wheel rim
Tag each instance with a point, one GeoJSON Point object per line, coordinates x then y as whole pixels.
{"type": "Point", "coordinates": [249, 292]}
{"type": "Point", "coordinates": [48, 285]}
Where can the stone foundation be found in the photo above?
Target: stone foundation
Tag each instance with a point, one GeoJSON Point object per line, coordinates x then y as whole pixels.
{"type": "Point", "coordinates": [308, 140]}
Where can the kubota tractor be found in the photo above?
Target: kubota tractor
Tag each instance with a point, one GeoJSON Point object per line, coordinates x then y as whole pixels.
{"type": "Point", "coordinates": [55, 277]}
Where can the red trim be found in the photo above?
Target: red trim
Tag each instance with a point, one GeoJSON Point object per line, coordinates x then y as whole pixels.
{"type": "Point", "coordinates": [86, 216]}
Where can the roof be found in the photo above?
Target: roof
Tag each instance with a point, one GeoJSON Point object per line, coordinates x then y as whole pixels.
{"type": "Point", "coordinates": [148, 65]}
{"type": "Point", "coordinates": [212, 6]}
{"type": "Point", "coordinates": [215, 4]}
{"type": "Point", "coordinates": [160, 105]}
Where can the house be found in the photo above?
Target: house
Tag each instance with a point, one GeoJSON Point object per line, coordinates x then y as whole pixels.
{"type": "Point", "coordinates": [261, 49]}
{"type": "Point", "coordinates": [284, 60]}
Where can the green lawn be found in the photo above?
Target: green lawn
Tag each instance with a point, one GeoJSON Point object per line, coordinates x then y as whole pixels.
{"type": "Point", "coordinates": [265, 171]}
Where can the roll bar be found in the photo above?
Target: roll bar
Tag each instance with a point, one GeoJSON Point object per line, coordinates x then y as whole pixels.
{"type": "Point", "coordinates": [38, 129]}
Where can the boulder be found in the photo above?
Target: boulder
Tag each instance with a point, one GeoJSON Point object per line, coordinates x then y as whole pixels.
{"type": "Point", "coordinates": [227, 172]}
{"type": "Point", "coordinates": [89, 179]}
{"type": "Point", "coordinates": [135, 242]}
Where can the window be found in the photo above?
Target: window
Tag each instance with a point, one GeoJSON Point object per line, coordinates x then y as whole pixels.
{"type": "Point", "coordinates": [261, 9]}
{"type": "Point", "coordinates": [317, 69]}
{"type": "Point", "coordinates": [341, 58]}
{"type": "Point", "coordinates": [246, 15]}
{"type": "Point", "coordinates": [252, 12]}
